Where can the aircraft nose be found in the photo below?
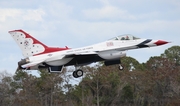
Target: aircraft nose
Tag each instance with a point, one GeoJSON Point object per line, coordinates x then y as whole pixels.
{"type": "Point", "coordinates": [161, 42]}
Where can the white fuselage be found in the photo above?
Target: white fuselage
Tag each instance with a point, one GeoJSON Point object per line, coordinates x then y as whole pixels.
{"type": "Point", "coordinates": [107, 50]}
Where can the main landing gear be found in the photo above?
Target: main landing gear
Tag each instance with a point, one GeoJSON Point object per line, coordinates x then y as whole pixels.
{"type": "Point", "coordinates": [78, 73]}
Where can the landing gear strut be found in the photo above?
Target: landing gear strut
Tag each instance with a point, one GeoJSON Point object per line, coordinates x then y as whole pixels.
{"type": "Point", "coordinates": [78, 73]}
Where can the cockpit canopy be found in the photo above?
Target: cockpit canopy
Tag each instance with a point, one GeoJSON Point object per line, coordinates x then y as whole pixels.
{"type": "Point", "coordinates": [125, 37]}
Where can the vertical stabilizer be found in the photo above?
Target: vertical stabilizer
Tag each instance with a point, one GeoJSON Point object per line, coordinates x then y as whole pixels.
{"type": "Point", "coordinates": [31, 46]}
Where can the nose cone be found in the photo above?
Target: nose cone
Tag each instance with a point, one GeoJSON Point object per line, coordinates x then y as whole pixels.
{"type": "Point", "coordinates": [161, 42]}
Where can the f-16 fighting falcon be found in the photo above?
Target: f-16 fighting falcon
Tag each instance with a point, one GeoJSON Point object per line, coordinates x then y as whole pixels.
{"type": "Point", "coordinates": [38, 55]}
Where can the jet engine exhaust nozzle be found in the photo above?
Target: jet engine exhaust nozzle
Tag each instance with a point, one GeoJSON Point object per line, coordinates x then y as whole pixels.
{"type": "Point", "coordinates": [23, 61]}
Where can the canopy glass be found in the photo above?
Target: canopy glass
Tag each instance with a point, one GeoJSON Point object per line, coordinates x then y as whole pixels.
{"type": "Point", "coordinates": [125, 37]}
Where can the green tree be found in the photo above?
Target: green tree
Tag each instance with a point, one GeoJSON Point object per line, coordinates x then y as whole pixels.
{"type": "Point", "coordinates": [49, 86]}
{"type": "Point", "coordinates": [6, 92]}
{"type": "Point", "coordinates": [164, 74]}
{"type": "Point", "coordinates": [131, 64]}
{"type": "Point", "coordinates": [127, 94]}
{"type": "Point", "coordinates": [173, 53]}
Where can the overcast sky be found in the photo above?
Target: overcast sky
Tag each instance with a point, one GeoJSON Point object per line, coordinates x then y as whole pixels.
{"type": "Point", "coordinates": [77, 23]}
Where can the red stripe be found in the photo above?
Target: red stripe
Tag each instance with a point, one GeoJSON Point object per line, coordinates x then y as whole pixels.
{"type": "Point", "coordinates": [52, 49]}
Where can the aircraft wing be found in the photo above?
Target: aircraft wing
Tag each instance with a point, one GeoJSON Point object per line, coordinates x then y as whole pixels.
{"type": "Point", "coordinates": [80, 54]}
{"type": "Point", "coordinates": [84, 54]}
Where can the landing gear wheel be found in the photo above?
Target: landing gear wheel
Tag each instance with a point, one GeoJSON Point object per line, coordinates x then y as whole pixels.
{"type": "Point", "coordinates": [77, 73]}
{"type": "Point", "coordinates": [121, 67]}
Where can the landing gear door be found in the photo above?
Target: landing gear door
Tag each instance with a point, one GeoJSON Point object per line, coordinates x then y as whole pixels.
{"type": "Point", "coordinates": [55, 68]}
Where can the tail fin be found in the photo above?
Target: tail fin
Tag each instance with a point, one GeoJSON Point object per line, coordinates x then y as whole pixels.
{"type": "Point", "coordinates": [31, 46]}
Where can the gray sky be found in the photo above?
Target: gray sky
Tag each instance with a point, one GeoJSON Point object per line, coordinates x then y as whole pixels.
{"type": "Point", "coordinates": [80, 23]}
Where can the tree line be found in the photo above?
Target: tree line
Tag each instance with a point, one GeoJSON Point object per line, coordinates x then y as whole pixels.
{"type": "Point", "coordinates": [154, 83]}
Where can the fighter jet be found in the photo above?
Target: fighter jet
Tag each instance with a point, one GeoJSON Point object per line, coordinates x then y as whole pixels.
{"type": "Point", "coordinates": [38, 55]}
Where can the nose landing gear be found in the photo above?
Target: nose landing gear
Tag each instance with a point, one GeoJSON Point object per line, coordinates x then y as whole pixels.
{"type": "Point", "coordinates": [121, 67]}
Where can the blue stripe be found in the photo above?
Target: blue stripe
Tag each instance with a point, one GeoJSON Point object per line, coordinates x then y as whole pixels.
{"type": "Point", "coordinates": [143, 44]}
